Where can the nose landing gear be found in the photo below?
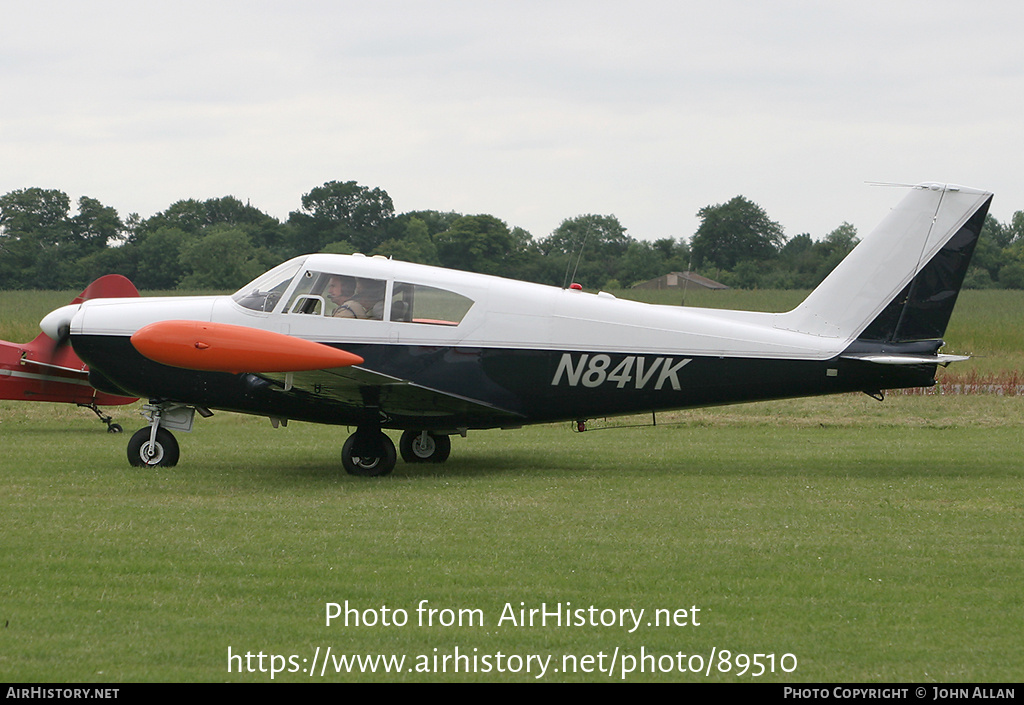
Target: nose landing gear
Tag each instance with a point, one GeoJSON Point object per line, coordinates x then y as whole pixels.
{"type": "Point", "coordinates": [156, 446]}
{"type": "Point", "coordinates": [153, 447]}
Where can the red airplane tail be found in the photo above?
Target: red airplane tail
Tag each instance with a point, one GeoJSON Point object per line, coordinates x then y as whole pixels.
{"type": "Point", "coordinates": [109, 286]}
{"type": "Point", "coordinates": [48, 370]}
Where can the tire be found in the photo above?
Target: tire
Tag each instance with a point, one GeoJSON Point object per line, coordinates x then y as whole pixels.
{"type": "Point", "coordinates": [165, 454]}
{"type": "Point", "coordinates": [417, 449]}
{"type": "Point", "coordinates": [369, 467]}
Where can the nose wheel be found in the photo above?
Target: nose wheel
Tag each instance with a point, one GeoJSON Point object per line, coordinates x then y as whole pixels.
{"type": "Point", "coordinates": [149, 450]}
{"type": "Point", "coordinates": [155, 446]}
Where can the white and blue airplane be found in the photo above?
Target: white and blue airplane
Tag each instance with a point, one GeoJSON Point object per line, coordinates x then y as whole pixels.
{"type": "Point", "coordinates": [377, 344]}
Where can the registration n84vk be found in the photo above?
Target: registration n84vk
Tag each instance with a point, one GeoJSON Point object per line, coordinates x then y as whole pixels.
{"type": "Point", "coordinates": [638, 370]}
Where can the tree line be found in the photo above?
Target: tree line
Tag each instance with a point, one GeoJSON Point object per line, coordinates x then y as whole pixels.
{"type": "Point", "coordinates": [221, 243]}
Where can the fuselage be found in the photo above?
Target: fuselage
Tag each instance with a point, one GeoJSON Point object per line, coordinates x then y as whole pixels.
{"type": "Point", "coordinates": [454, 350]}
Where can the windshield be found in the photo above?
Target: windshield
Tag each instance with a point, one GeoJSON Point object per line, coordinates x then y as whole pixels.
{"type": "Point", "coordinates": [263, 293]}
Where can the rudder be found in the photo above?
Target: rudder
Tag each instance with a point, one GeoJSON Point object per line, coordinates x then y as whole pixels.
{"type": "Point", "coordinates": [900, 283]}
{"type": "Point", "coordinates": [922, 309]}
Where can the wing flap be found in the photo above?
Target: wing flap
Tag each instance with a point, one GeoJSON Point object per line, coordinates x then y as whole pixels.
{"type": "Point", "coordinates": [394, 396]}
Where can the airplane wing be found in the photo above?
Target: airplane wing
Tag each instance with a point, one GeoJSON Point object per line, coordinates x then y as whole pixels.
{"type": "Point", "coordinates": [24, 377]}
{"type": "Point", "coordinates": [306, 369]}
{"type": "Point", "coordinates": [24, 368]}
{"type": "Point", "coordinates": [395, 397]}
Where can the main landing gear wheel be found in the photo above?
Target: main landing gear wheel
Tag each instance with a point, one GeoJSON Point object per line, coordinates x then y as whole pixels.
{"type": "Point", "coordinates": [377, 464]}
{"type": "Point", "coordinates": [424, 447]}
{"type": "Point", "coordinates": [142, 453]}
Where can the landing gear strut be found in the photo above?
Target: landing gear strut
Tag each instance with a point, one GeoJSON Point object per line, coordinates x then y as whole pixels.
{"type": "Point", "coordinates": [105, 418]}
{"type": "Point", "coordinates": [155, 446]}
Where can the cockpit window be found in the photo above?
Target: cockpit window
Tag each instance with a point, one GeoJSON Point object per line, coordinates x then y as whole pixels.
{"type": "Point", "coordinates": [339, 296]}
{"type": "Point", "coordinates": [416, 303]}
{"type": "Point", "coordinates": [263, 293]}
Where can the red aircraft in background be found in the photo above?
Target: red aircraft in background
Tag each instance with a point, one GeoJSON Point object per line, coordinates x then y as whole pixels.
{"type": "Point", "coordinates": [48, 370]}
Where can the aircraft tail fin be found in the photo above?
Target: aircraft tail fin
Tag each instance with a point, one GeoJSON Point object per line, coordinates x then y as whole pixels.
{"type": "Point", "coordinates": [901, 282]}
{"type": "Point", "coordinates": [109, 286]}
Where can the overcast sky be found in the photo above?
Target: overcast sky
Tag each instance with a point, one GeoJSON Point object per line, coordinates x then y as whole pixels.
{"type": "Point", "coordinates": [532, 111]}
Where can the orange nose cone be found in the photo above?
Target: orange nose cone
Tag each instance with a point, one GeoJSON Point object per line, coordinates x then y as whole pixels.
{"type": "Point", "coordinates": [220, 347]}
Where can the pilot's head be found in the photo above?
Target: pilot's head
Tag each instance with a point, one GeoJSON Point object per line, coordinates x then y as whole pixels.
{"type": "Point", "coordinates": [339, 289]}
{"type": "Point", "coordinates": [370, 289]}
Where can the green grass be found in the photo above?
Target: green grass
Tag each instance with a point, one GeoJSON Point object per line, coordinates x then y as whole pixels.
{"type": "Point", "coordinates": [875, 542]}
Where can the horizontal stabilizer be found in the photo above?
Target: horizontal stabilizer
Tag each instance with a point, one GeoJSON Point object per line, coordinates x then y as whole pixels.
{"type": "Point", "coordinates": [882, 359]}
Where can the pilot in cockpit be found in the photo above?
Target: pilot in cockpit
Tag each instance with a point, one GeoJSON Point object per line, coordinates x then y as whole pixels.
{"type": "Point", "coordinates": [339, 290]}
{"type": "Point", "coordinates": [367, 301]}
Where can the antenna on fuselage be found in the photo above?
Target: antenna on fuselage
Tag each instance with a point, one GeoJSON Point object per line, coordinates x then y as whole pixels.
{"type": "Point", "coordinates": [686, 279]}
{"type": "Point", "coordinates": [579, 256]}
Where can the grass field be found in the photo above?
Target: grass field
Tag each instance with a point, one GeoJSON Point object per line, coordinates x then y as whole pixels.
{"type": "Point", "coordinates": [874, 542]}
